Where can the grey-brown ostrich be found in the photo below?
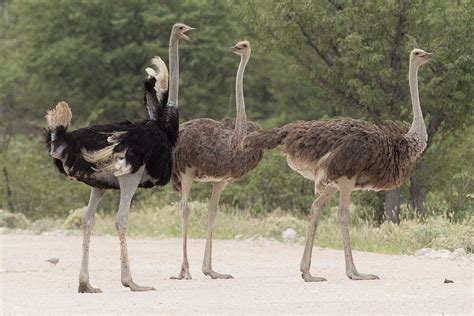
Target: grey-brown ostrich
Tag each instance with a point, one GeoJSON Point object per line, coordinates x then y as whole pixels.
{"type": "Point", "coordinates": [346, 155]}
{"type": "Point", "coordinates": [210, 151]}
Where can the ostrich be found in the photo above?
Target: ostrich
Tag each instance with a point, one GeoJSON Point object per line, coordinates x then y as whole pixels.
{"type": "Point", "coordinates": [345, 155]}
{"type": "Point", "coordinates": [210, 151]}
{"type": "Point", "coordinates": [121, 156]}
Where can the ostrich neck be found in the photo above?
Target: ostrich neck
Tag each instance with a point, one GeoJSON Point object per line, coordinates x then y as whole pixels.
{"type": "Point", "coordinates": [240, 129]}
{"type": "Point", "coordinates": [418, 129]}
{"type": "Point", "coordinates": [174, 72]}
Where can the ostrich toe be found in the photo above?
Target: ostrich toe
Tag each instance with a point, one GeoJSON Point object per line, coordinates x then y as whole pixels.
{"type": "Point", "coordinates": [354, 275]}
{"type": "Point", "coordinates": [137, 288]}
{"type": "Point", "coordinates": [215, 275]}
{"type": "Point", "coordinates": [307, 277]}
{"type": "Point", "coordinates": [183, 275]}
{"type": "Point", "coordinates": [87, 288]}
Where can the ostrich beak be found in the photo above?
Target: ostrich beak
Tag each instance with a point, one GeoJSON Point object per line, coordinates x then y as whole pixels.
{"type": "Point", "coordinates": [234, 48]}
{"type": "Point", "coordinates": [183, 35]}
{"type": "Point", "coordinates": [428, 55]}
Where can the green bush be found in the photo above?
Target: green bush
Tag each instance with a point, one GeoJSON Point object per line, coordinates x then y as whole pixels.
{"type": "Point", "coordinates": [11, 220]}
{"type": "Point", "coordinates": [46, 224]}
{"type": "Point", "coordinates": [74, 219]}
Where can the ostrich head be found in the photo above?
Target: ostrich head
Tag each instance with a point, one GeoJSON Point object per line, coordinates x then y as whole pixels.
{"type": "Point", "coordinates": [419, 57]}
{"type": "Point", "coordinates": [57, 142]}
{"type": "Point", "coordinates": [241, 48]}
{"type": "Point", "coordinates": [180, 29]}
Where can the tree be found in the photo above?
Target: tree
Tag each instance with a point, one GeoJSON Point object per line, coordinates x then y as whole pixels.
{"type": "Point", "coordinates": [93, 54]}
{"type": "Point", "coordinates": [355, 56]}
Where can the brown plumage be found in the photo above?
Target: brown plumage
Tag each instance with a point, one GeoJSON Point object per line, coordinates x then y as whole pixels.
{"type": "Point", "coordinates": [345, 154]}
{"type": "Point", "coordinates": [379, 156]}
{"type": "Point", "coordinates": [265, 138]}
{"type": "Point", "coordinates": [211, 151]}
{"type": "Point", "coordinates": [204, 146]}
{"type": "Point", "coordinates": [376, 155]}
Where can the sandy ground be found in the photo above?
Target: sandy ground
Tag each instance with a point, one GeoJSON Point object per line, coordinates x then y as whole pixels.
{"type": "Point", "coordinates": [266, 280]}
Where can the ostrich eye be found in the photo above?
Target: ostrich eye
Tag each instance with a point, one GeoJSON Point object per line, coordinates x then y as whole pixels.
{"type": "Point", "coordinates": [245, 45]}
{"type": "Point", "coordinates": [181, 27]}
{"type": "Point", "coordinates": [417, 53]}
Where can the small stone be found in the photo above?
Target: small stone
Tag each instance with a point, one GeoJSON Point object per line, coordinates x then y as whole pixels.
{"type": "Point", "coordinates": [442, 254]}
{"type": "Point", "coordinates": [424, 252]}
{"type": "Point", "coordinates": [289, 235]}
{"type": "Point", "coordinates": [448, 281]}
{"type": "Point", "coordinates": [459, 252]}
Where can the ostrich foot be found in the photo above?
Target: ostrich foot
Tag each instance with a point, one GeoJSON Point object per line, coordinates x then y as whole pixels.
{"type": "Point", "coordinates": [354, 275]}
{"type": "Point", "coordinates": [137, 288]}
{"type": "Point", "coordinates": [87, 288]}
{"type": "Point", "coordinates": [215, 275]}
{"type": "Point", "coordinates": [183, 275]}
{"type": "Point", "coordinates": [307, 277]}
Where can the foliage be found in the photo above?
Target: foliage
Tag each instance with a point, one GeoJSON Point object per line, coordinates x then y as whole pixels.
{"type": "Point", "coordinates": [310, 60]}
{"type": "Point", "coordinates": [360, 70]}
{"type": "Point", "coordinates": [93, 54]}
{"type": "Point", "coordinates": [451, 176]}
{"type": "Point", "coordinates": [12, 220]}
{"type": "Point", "coordinates": [74, 219]}
{"type": "Point", "coordinates": [150, 220]}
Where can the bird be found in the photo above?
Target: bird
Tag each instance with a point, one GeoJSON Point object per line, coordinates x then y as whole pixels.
{"type": "Point", "coordinates": [121, 155]}
{"type": "Point", "coordinates": [52, 261]}
{"type": "Point", "coordinates": [345, 155]}
{"type": "Point", "coordinates": [210, 151]}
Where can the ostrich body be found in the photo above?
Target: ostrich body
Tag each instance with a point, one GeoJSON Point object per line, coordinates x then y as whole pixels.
{"type": "Point", "coordinates": [346, 155]}
{"type": "Point", "coordinates": [121, 156]}
{"type": "Point", "coordinates": [211, 151]}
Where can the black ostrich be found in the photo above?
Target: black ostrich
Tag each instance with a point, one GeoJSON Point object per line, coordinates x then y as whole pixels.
{"type": "Point", "coordinates": [121, 156]}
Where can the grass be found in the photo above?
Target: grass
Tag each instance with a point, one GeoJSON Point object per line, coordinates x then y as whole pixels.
{"type": "Point", "coordinates": [231, 223]}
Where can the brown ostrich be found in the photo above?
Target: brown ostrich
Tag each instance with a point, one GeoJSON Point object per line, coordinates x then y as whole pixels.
{"type": "Point", "coordinates": [346, 155]}
{"type": "Point", "coordinates": [211, 151]}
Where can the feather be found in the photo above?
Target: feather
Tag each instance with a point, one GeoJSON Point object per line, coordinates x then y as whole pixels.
{"type": "Point", "coordinates": [61, 115]}
{"type": "Point", "coordinates": [156, 89]}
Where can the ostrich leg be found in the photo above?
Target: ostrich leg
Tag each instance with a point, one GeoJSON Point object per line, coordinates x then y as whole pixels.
{"type": "Point", "coordinates": [186, 183]}
{"type": "Point", "coordinates": [128, 185]}
{"type": "Point", "coordinates": [345, 219]}
{"type": "Point", "coordinates": [87, 224]}
{"type": "Point", "coordinates": [217, 189]}
{"type": "Point", "coordinates": [316, 210]}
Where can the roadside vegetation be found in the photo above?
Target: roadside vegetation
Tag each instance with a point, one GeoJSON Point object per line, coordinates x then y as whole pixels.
{"type": "Point", "coordinates": [152, 219]}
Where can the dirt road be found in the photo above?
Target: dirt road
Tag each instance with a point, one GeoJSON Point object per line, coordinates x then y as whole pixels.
{"type": "Point", "coordinates": [266, 280]}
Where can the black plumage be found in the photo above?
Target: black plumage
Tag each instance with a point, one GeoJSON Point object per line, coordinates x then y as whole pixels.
{"type": "Point", "coordinates": [149, 143]}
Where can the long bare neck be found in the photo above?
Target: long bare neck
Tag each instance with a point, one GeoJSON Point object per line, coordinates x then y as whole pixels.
{"type": "Point", "coordinates": [240, 129]}
{"type": "Point", "coordinates": [418, 129]}
{"type": "Point", "coordinates": [174, 72]}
